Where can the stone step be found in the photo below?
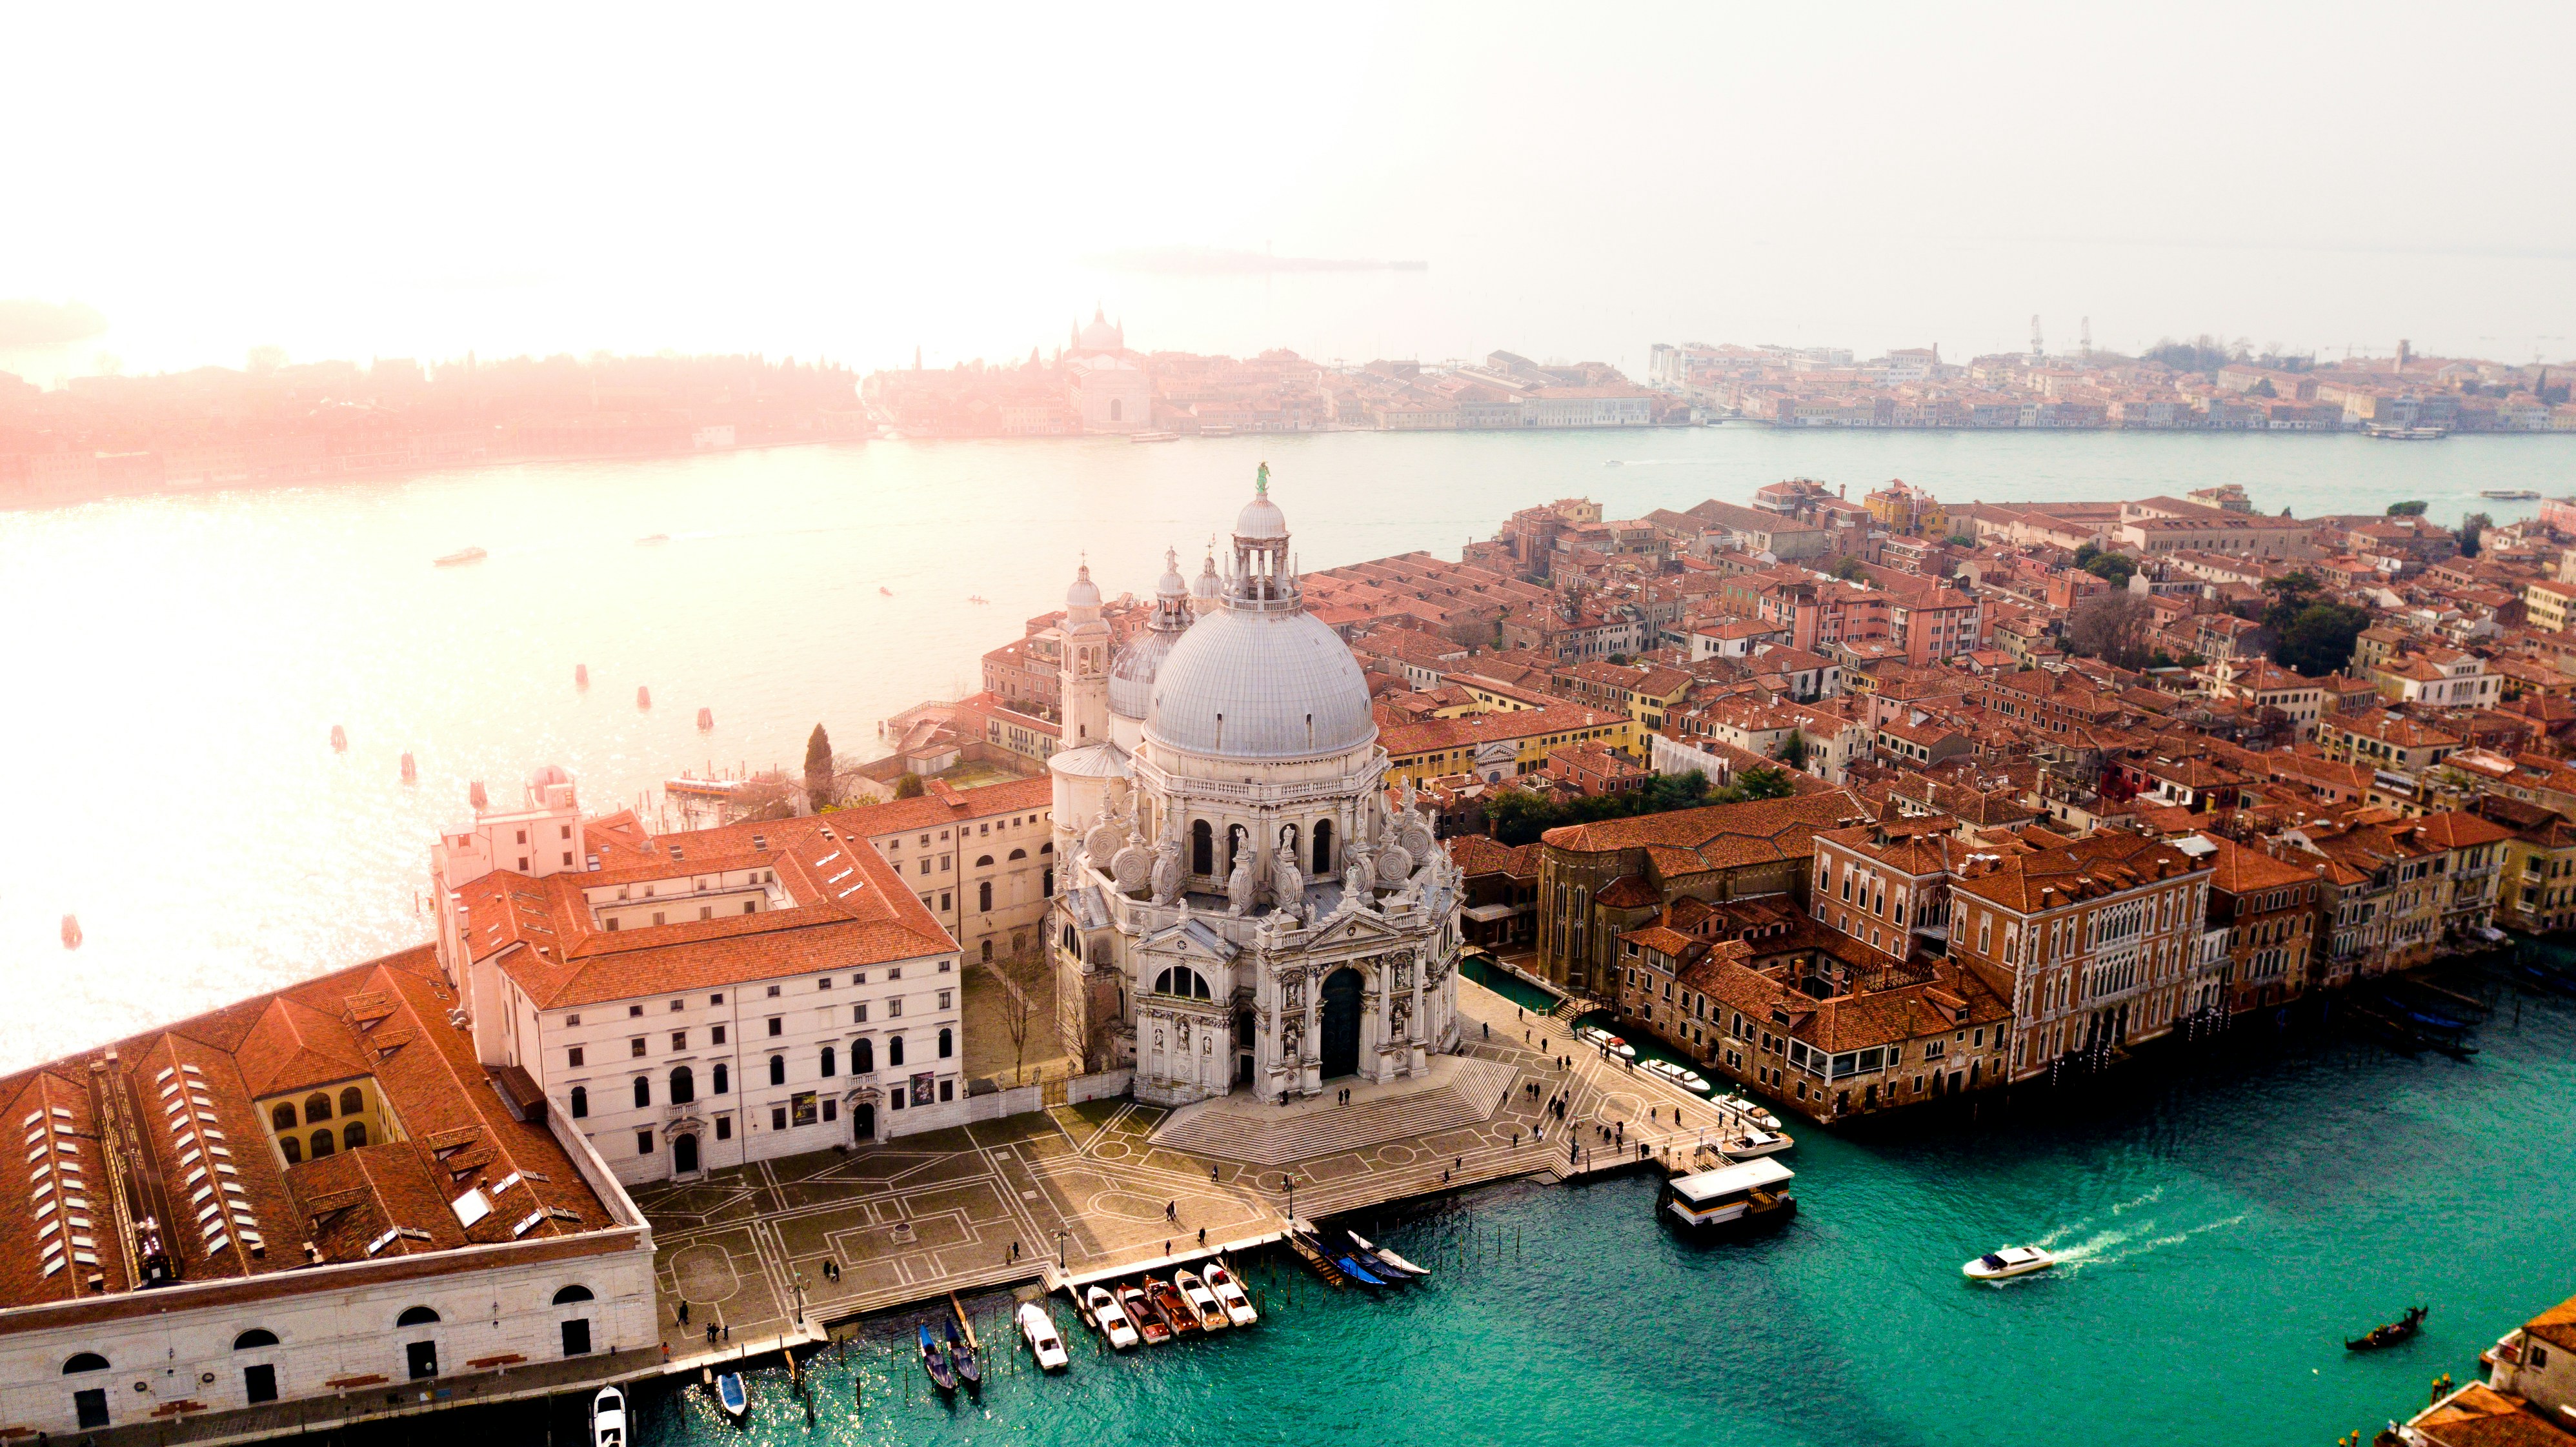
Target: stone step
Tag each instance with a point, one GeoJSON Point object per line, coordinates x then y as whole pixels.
{"type": "Point", "coordinates": [1243, 1129]}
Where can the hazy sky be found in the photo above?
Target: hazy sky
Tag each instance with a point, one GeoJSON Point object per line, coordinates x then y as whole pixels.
{"type": "Point", "coordinates": [856, 181]}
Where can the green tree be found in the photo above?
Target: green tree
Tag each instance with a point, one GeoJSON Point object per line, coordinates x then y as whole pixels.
{"type": "Point", "coordinates": [2407, 509]}
{"type": "Point", "coordinates": [818, 767]}
{"type": "Point", "coordinates": [1850, 570]}
{"type": "Point", "coordinates": [1793, 750]}
{"type": "Point", "coordinates": [1757, 781]}
{"type": "Point", "coordinates": [2319, 639]}
{"type": "Point", "coordinates": [2471, 528]}
{"type": "Point", "coordinates": [2085, 553]}
{"type": "Point", "coordinates": [2112, 568]}
{"type": "Point", "coordinates": [2290, 592]}
{"type": "Point", "coordinates": [2111, 627]}
{"type": "Point", "coordinates": [1963, 540]}
{"type": "Point", "coordinates": [907, 786]}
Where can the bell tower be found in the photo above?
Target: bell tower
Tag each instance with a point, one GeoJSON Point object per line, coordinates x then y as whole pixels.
{"type": "Point", "coordinates": [1085, 666]}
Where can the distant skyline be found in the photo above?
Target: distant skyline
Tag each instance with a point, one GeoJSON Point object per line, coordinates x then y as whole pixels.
{"type": "Point", "coordinates": [857, 182]}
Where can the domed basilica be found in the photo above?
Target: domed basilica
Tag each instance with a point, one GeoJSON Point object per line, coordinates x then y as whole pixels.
{"type": "Point", "coordinates": [1240, 907]}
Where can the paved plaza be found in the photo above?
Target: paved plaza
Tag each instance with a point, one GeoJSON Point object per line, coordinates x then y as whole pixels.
{"type": "Point", "coordinates": [778, 1248]}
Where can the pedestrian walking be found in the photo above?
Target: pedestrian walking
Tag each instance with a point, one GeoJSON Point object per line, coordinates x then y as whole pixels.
{"type": "Point", "coordinates": [1202, 1235]}
{"type": "Point", "coordinates": [1171, 1210]}
{"type": "Point", "coordinates": [684, 1311]}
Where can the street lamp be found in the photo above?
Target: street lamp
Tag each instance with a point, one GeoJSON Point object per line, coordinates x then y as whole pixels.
{"type": "Point", "coordinates": [1059, 1250]}
{"type": "Point", "coordinates": [800, 1298]}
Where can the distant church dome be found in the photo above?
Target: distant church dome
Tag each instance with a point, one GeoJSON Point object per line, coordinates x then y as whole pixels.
{"type": "Point", "coordinates": [1100, 335]}
{"type": "Point", "coordinates": [546, 776]}
{"type": "Point", "coordinates": [1208, 586]}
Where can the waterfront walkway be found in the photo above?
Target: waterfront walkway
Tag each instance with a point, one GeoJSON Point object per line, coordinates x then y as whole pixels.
{"type": "Point", "coordinates": [1078, 1191]}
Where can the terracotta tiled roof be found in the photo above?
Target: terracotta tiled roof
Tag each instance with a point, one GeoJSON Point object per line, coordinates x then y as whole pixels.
{"type": "Point", "coordinates": [1719, 836]}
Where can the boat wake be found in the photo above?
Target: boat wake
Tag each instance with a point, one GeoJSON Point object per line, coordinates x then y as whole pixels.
{"type": "Point", "coordinates": [2049, 1241]}
{"type": "Point", "coordinates": [2113, 1247]}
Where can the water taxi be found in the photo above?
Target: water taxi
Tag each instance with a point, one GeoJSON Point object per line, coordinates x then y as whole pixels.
{"type": "Point", "coordinates": [1149, 1322]}
{"type": "Point", "coordinates": [1201, 1301]}
{"type": "Point", "coordinates": [608, 1418]}
{"type": "Point", "coordinates": [1608, 1041]}
{"type": "Point", "coordinates": [2008, 1263]}
{"type": "Point", "coordinates": [1038, 1330]}
{"type": "Point", "coordinates": [1754, 1142]}
{"type": "Point", "coordinates": [460, 556]}
{"type": "Point", "coordinates": [1110, 1318]}
{"type": "Point", "coordinates": [652, 540]}
{"type": "Point", "coordinates": [1153, 437]}
{"type": "Point", "coordinates": [1747, 1196]}
{"type": "Point", "coordinates": [1690, 1080]}
{"type": "Point", "coordinates": [1229, 1292]}
{"type": "Point", "coordinates": [2511, 494]}
{"type": "Point", "coordinates": [1747, 1109]}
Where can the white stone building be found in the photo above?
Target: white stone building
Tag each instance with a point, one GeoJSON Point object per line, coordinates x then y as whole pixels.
{"type": "Point", "coordinates": [1238, 904]}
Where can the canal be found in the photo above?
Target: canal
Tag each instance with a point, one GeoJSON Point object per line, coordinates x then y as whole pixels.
{"type": "Point", "coordinates": [2226, 1217]}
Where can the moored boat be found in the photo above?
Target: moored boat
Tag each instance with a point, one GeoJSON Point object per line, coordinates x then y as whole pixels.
{"type": "Point", "coordinates": [966, 1361]}
{"type": "Point", "coordinates": [1153, 437]}
{"type": "Point", "coordinates": [2389, 1334]}
{"type": "Point", "coordinates": [1753, 1141]}
{"type": "Point", "coordinates": [1110, 1318]}
{"type": "Point", "coordinates": [1690, 1080]}
{"type": "Point", "coordinates": [1201, 1301]}
{"type": "Point", "coordinates": [1389, 1257]}
{"type": "Point", "coordinates": [608, 1418]}
{"type": "Point", "coordinates": [1149, 1323]}
{"type": "Point", "coordinates": [934, 1361]}
{"type": "Point", "coordinates": [2007, 1262]}
{"type": "Point", "coordinates": [1167, 1302]}
{"type": "Point", "coordinates": [1609, 1042]}
{"type": "Point", "coordinates": [734, 1395]}
{"type": "Point", "coordinates": [1037, 1328]}
{"type": "Point", "coordinates": [1229, 1292]}
{"type": "Point", "coordinates": [1747, 1109]}
{"type": "Point", "coordinates": [1744, 1197]}
{"type": "Point", "coordinates": [460, 556]}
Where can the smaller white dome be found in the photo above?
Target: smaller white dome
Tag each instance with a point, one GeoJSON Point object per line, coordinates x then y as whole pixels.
{"type": "Point", "coordinates": [1084, 593]}
{"type": "Point", "coordinates": [1208, 585]}
{"type": "Point", "coordinates": [1170, 584]}
{"type": "Point", "coordinates": [546, 776]}
{"type": "Point", "coordinates": [1260, 520]}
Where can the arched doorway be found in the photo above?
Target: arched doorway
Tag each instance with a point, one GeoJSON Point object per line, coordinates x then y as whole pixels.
{"type": "Point", "coordinates": [684, 1155]}
{"type": "Point", "coordinates": [1341, 1032]}
{"type": "Point", "coordinates": [863, 1122]}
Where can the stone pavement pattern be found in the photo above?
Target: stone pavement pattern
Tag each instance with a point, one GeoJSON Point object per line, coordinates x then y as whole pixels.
{"type": "Point", "coordinates": [1100, 1185]}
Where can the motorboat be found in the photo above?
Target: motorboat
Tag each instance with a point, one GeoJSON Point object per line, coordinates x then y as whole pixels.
{"type": "Point", "coordinates": [1609, 1042]}
{"type": "Point", "coordinates": [1201, 1301]}
{"type": "Point", "coordinates": [1747, 1109]}
{"type": "Point", "coordinates": [2008, 1262]}
{"type": "Point", "coordinates": [1149, 1323]}
{"type": "Point", "coordinates": [608, 1418]}
{"type": "Point", "coordinates": [1687, 1079]}
{"type": "Point", "coordinates": [934, 1360]}
{"type": "Point", "coordinates": [977, 598]}
{"type": "Point", "coordinates": [967, 1362]}
{"type": "Point", "coordinates": [1743, 1197]}
{"type": "Point", "coordinates": [1110, 1317]}
{"type": "Point", "coordinates": [1752, 1142]}
{"type": "Point", "coordinates": [733, 1395]}
{"type": "Point", "coordinates": [1229, 1292]}
{"type": "Point", "coordinates": [1383, 1254]}
{"type": "Point", "coordinates": [653, 540]}
{"type": "Point", "coordinates": [2510, 494]}
{"type": "Point", "coordinates": [1166, 1300]}
{"type": "Point", "coordinates": [1038, 1330]}
{"type": "Point", "coordinates": [460, 557]}
{"type": "Point", "coordinates": [2389, 1334]}
{"type": "Point", "coordinates": [889, 592]}
{"type": "Point", "coordinates": [1153, 437]}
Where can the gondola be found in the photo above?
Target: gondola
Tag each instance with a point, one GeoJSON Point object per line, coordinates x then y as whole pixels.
{"type": "Point", "coordinates": [964, 1359]}
{"type": "Point", "coordinates": [934, 1360]}
{"type": "Point", "coordinates": [1389, 1257]}
{"type": "Point", "coordinates": [1341, 1258]}
{"type": "Point", "coordinates": [2389, 1334]}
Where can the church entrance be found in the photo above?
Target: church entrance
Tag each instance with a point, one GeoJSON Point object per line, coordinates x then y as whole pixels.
{"type": "Point", "coordinates": [684, 1155]}
{"type": "Point", "coordinates": [1341, 1033]}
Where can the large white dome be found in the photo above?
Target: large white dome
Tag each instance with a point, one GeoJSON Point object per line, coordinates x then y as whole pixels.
{"type": "Point", "coordinates": [1251, 684]}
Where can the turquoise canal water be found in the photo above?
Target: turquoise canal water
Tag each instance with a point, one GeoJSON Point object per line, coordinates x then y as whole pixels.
{"type": "Point", "coordinates": [2226, 1216]}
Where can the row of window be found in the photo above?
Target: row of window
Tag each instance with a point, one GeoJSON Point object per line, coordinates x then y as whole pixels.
{"type": "Point", "coordinates": [684, 1080]}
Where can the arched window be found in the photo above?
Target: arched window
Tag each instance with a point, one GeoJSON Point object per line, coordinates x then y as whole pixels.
{"type": "Point", "coordinates": [831, 1061]}
{"type": "Point", "coordinates": [684, 1085]}
{"type": "Point", "coordinates": [1117, 409]}
{"type": "Point", "coordinates": [720, 1081]}
{"type": "Point", "coordinates": [1047, 848]}
{"type": "Point", "coordinates": [1019, 854]}
{"type": "Point", "coordinates": [281, 1116]}
{"type": "Point", "coordinates": [571, 1294]}
{"type": "Point", "coordinates": [643, 1091]}
{"type": "Point", "coordinates": [354, 1134]}
{"type": "Point", "coordinates": [984, 895]}
{"type": "Point", "coordinates": [317, 1106]}
{"type": "Point", "coordinates": [581, 1102]}
{"type": "Point", "coordinates": [894, 1050]}
{"type": "Point", "coordinates": [1202, 847]}
{"type": "Point", "coordinates": [1072, 942]}
{"type": "Point", "coordinates": [1183, 981]}
{"type": "Point", "coordinates": [1323, 846]}
{"type": "Point", "coordinates": [323, 1145]}
{"type": "Point", "coordinates": [1046, 882]}
{"type": "Point", "coordinates": [293, 1148]}
{"type": "Point", "coordinates": [983, 861]}
{"type": "Point", "coordinates": [863, 1057]}
{"type": "Point", "coordinates": [85, 1362]}
{"type": "Point", "coordinates": [778, 1070]}
{"type": "Point", "coordinates": [946, 1042]}
{"type": "Point", "coordinates": [417, 1316]}
{"type": "Point", "coordinates": [255, 1337]}
{"type": "Point", "coordinates": [353, 1101]}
